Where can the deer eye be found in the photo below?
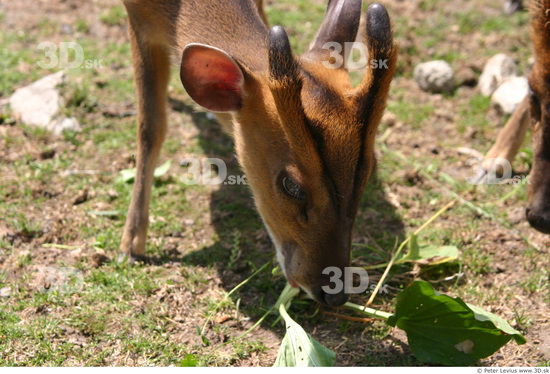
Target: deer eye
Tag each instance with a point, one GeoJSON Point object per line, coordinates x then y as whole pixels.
{"type": "Point", "coordinates": [293, 189]}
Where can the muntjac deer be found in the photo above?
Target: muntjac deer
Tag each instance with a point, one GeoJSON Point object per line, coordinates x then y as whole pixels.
{"type": "Point", "coordinates": [534, 109]}
{"type": "Point", "coordinates": [303, 134]}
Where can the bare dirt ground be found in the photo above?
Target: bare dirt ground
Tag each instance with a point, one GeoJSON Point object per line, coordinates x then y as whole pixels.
{"type": "Point", "coordinates": [499, 265]}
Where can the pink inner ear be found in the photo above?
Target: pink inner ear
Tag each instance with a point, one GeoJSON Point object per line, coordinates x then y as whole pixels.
{"type": "Point", "coordinates": [212, 78]}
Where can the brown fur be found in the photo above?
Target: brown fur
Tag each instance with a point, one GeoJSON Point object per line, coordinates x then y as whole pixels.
{"type": "Point", "coordinates": [535, 107]}
{"type": "Point", "coordinates": [298, 120]}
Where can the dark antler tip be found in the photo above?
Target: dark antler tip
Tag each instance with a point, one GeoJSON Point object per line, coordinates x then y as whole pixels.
{"type": "Point", "coordinates": [277, 32]}
{"type": "Point", "coordinates": [278, 35]}
{"type": "Point", "coordinates": [377, 16]}
{"type": "Point", "coordinates": [379, 25]}
{"type": "Point", "coordinates": [281, 60]}
{"type": "Point", "coordinates": [376, 7]}
{"type": "Point", "coordinates": [278, 41]}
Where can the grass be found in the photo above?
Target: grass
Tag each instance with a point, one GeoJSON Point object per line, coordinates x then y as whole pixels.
{"type": "Point", "coordinates": [414, 114]}
{"type": "Point", "coordinates": [203, 241]}
{"type": "Point", "coordinates": [114, 16]}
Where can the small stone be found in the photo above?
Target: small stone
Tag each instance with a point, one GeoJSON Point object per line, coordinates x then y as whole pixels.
{"type": "Point", "coordinates": [435, 76]}
{"type": "Point", "coordinates": [497, 70]}
{"type": "Point", "coordinates": [66, 29]}
{"type": "Point", "coordinates": [470, 133]}
{"type": "Point", "coordinates": [81, 197]}
{"type": "Point", "coordinates": [99, 258]}
{"type": "Point", "coordinates": [76, 254]}
{"type": "Point", "coordinates": [5, 292]}
{"type": "Point", "coordinates": [509, 94]}
{"type": "Point", "coordinates": [466, 77]}
{"type": "Point", "coordinates": [113, 195]}
{"type": "Point", "coordinates": [64, 124]}
{"type": "Point", "coordinates": [389, 119]}
{"type": "Point", "coordinates": [47, 154]}
{"type": "Point", "coordinates": [512, 6]}
{"type": "Point", "coordinates": [38, 103]}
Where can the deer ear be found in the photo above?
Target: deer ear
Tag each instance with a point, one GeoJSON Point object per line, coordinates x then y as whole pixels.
{"type": "Point", "coordinates": [212, 78]}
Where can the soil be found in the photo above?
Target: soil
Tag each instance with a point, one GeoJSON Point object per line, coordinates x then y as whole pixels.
{"type": "Point", "coordinates": [438, 139]}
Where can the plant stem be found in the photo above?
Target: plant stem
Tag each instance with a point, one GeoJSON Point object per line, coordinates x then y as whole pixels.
{"type": "Point", "coordinates": [394, 257]}
{"type": "Point", "coordinates": [368, 311]}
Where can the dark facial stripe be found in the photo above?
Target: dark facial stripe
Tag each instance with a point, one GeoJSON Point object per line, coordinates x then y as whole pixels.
{"type": "Point", "coordinates": [366, 106]}
{"type": "Point", "coordinates": [318, 135]}
{"type": "Point", "coordinates": [326, 98]}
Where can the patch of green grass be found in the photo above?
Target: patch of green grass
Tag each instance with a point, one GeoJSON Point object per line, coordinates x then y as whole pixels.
{"type": "Point", "coordinates": [471, 21]}
{"type": "Point", "coordinates": [474, 113]}
{"type": "Point", "coordinates": [429, 5]}
{"type": "Point", "coordinates": [48, 26]}
{"type": "Point", "coordinates": [478, 262]}
{"type": "Point", "coordinates": [538, 281]}
{"type": "Point", "coordinates": [114, 16]}
{"type": "Point", "coordinates": [130, 311]}
{"type": "Point", "coordinates": [82, 26]}
{"type": "Point", "coordinates": [413, 114]}
{"type": "Point", "coordinates": [244, 349]}
{"type": "Point", "coordinates": [301, 20]}
{"type": "Point", "coordinates": [18, 64]}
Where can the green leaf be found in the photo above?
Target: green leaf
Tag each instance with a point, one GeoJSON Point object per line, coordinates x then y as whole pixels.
{"type": "Point", "coordinates": [298, 348]}
{"type": "Point", "coordinates": [105, 213]}
{"type": "Point", "coordinates": [446, 330]}
{"type": "Point", "coordinates": [204, 339]}
{"type": "Point", "coordinates": [429, 254]}
{"type": "Point", "coordinates": [189, 360]}
{"type": "Point", "coordinates": [163, 169]}
{"type": "Point", "coordinates": [500, 323]}
{"type": "Point", "coordinates": [129, 175]}
{"type": "Point", "coordinates": [425, 255]}
{"type": "Point", "coordinates": [286, 296]}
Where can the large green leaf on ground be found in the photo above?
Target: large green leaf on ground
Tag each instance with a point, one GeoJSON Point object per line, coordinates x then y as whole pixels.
{"type": "Point", "coordinates": [129, 175]}
{"type": "Point", "coordinates": [299, 349]}
{"type": "Point", "coordinates": [446, 330]}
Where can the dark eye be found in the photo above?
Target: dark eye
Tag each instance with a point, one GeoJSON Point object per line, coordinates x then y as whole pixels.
{"type": "Point", "coordinates": [293, 189]}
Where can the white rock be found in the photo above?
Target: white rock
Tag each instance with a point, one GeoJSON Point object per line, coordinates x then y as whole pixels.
{"type": "Point", "coordinates": [38, 103]}
{"type": "Point", "coordinates": [435, 76]}
{"type": "Point", "coordinates": [61, 124]}
{"type": "Point", "coordinates": [497, 70]}
{"type": "Point", "coordinates": [5, 292]}
{"type": "Point", "coordinates": [509, 94]}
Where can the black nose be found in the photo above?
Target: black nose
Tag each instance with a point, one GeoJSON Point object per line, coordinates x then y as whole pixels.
{"type": "Point", "coordinates": [540, 221]}
{"type": "Point", "coordinates": [336, 299]}
{"type": "Point", "coordinates": [330, 296]}
{"type": "Point", "coordinates": [330, 292]}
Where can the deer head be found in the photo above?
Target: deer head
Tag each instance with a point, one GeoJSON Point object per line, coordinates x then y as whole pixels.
{"type": "Point", "coordinates": [304, 135]}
